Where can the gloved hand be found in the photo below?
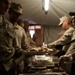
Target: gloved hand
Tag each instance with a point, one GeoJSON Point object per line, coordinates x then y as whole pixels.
{"type": "Point", "coordinates": [44, 48]}
{"type": "Point", "coordinates": [51, 45]}
{"type": "Point", "coordinates": [59, 47]}
{"type": "Point", "coordinates": [65, 58]}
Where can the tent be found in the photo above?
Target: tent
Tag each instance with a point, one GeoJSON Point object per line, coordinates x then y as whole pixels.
{"type": "Point", "coordinates": [33, 12]}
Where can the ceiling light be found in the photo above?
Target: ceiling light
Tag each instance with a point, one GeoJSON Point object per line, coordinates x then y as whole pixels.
{"type": "Point", "coordinates": [46, 5]}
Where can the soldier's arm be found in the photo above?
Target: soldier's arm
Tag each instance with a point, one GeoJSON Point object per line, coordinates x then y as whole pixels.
{"type": "Point", "coordinates": [3, 48]}
{"type": "Point", "coordinates": [64, 39]}
{"type": "Point", "coordinates": [25, 45]}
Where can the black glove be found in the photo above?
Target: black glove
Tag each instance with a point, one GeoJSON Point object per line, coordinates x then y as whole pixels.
{"type": "Point", "coordinates": [59, 47]}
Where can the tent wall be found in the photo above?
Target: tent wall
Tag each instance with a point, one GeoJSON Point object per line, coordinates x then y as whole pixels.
{"type": "Point", "coordinates": [50, 33]}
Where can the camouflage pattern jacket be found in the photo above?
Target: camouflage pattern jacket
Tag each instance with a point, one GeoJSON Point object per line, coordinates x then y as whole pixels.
{"type": "Point", "coordinates": [21, 38]}
{"type": "Point", "coordinates": [7, 36]}
{"type": "Point", "coordinates": [30, 41]}
{"type": "Point", "coordinates": [6, 39]}
{"type": "Point", "coordinates": [64, 39]}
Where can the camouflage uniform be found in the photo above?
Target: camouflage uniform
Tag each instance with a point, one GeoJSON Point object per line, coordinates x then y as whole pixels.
{"type": "Point", "coordinates": [23, 42]}
{"type": "Point", "coordinates": [66, 24]}
{"type": "Point", "coordinates": [8, 45]}
{"type": "Point", "coordinates": [69, 57]}
{"type": "Point", "coordinates": [30, 41]}
{"type": "Point", "coordinates": [64, 39]}
{"type": "Point", "coordinates": [21, 37]}
{"type": "Point", "coordinates": [7, 50]}
{"type": "Point", "coordinates": [72, 46]}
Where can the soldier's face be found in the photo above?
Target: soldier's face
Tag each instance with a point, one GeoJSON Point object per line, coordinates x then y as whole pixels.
{"type": "Point", "coordinates": [65, 24]}
{"type": "Point", "coordinates": [14, 16]}
{"type": "Point", "coordinates": [4, 5]}
{"type": "Point", "coordinates": [22, 25]}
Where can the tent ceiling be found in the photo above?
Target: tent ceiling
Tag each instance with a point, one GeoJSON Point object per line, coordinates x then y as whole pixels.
{"type": "Point", "coordinates": [33, 12]}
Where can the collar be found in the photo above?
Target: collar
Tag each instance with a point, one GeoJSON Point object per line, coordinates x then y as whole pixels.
{"type": "Point", "coordinates": [16, 26]}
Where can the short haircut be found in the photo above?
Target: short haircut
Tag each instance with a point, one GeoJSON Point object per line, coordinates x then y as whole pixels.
{"type": "Point", "coordinates": [19, 21]}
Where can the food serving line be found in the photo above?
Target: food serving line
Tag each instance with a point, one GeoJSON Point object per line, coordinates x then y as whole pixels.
{"type": "Point", "coordinates": [42, 63]}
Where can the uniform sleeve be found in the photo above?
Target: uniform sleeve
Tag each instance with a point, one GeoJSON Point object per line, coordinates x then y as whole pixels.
{"type": "Point", "coordinates": [69, 32]}
{"type": "Point", "coordinates": [72, 46]}
{"type": "Point", "coordinates": [32, 43]}
{"type": "Point", "coordinates": [25, 44]}
{"type": "Point", "coordinates": [65, 38]}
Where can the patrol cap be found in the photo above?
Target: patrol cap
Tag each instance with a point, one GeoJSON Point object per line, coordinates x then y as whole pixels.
{"type": "Point", "coordinates": [16, 7]}
{"type": "Point", "coordinates": [62, 19]}
{"type": "Point", "coordinates": [72, 13]}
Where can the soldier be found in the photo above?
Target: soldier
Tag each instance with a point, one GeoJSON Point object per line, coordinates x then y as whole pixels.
{"type": "Point", "coordinates": [35, 38]}
{"type": "Point", "coordinates": [69, 57]}
{"type": "Point", "coordinates": [6, 39]}
{"type": "Point", "coordinates": [8, 47]}
{"type": "Point", "coordinates": [4, 25]}
{"type": "Point", "coordinates": [20, 22]}
{"type": "Point", "coordinates": [67, 25]}
{"type": "Point", "coordinates": [30, 41]}
{"type": "Point", "coordinates": [21, 38]}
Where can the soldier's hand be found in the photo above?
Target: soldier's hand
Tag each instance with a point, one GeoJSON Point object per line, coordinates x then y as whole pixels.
{"type": "Point", "coordinates": [44, 48]}
{"type": "Point", "coordinates": [51, 45]}
{"type": "Point", "coordinates": [58, 47]}
{"type": "Point", "coordinates": [64, 58]}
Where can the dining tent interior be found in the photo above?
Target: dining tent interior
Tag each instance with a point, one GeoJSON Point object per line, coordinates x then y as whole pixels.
{"type": "Point", "coordinates": [45, 24]}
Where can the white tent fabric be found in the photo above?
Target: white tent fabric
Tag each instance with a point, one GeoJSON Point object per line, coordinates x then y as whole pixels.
{"type": "Point", "coordinates": [33, 12]}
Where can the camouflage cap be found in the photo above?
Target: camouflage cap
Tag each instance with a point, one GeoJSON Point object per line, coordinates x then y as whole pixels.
{"type": "Point", "coordinates": [16, 7]}
{"type": "Point", "coordinates": [62, 19]}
